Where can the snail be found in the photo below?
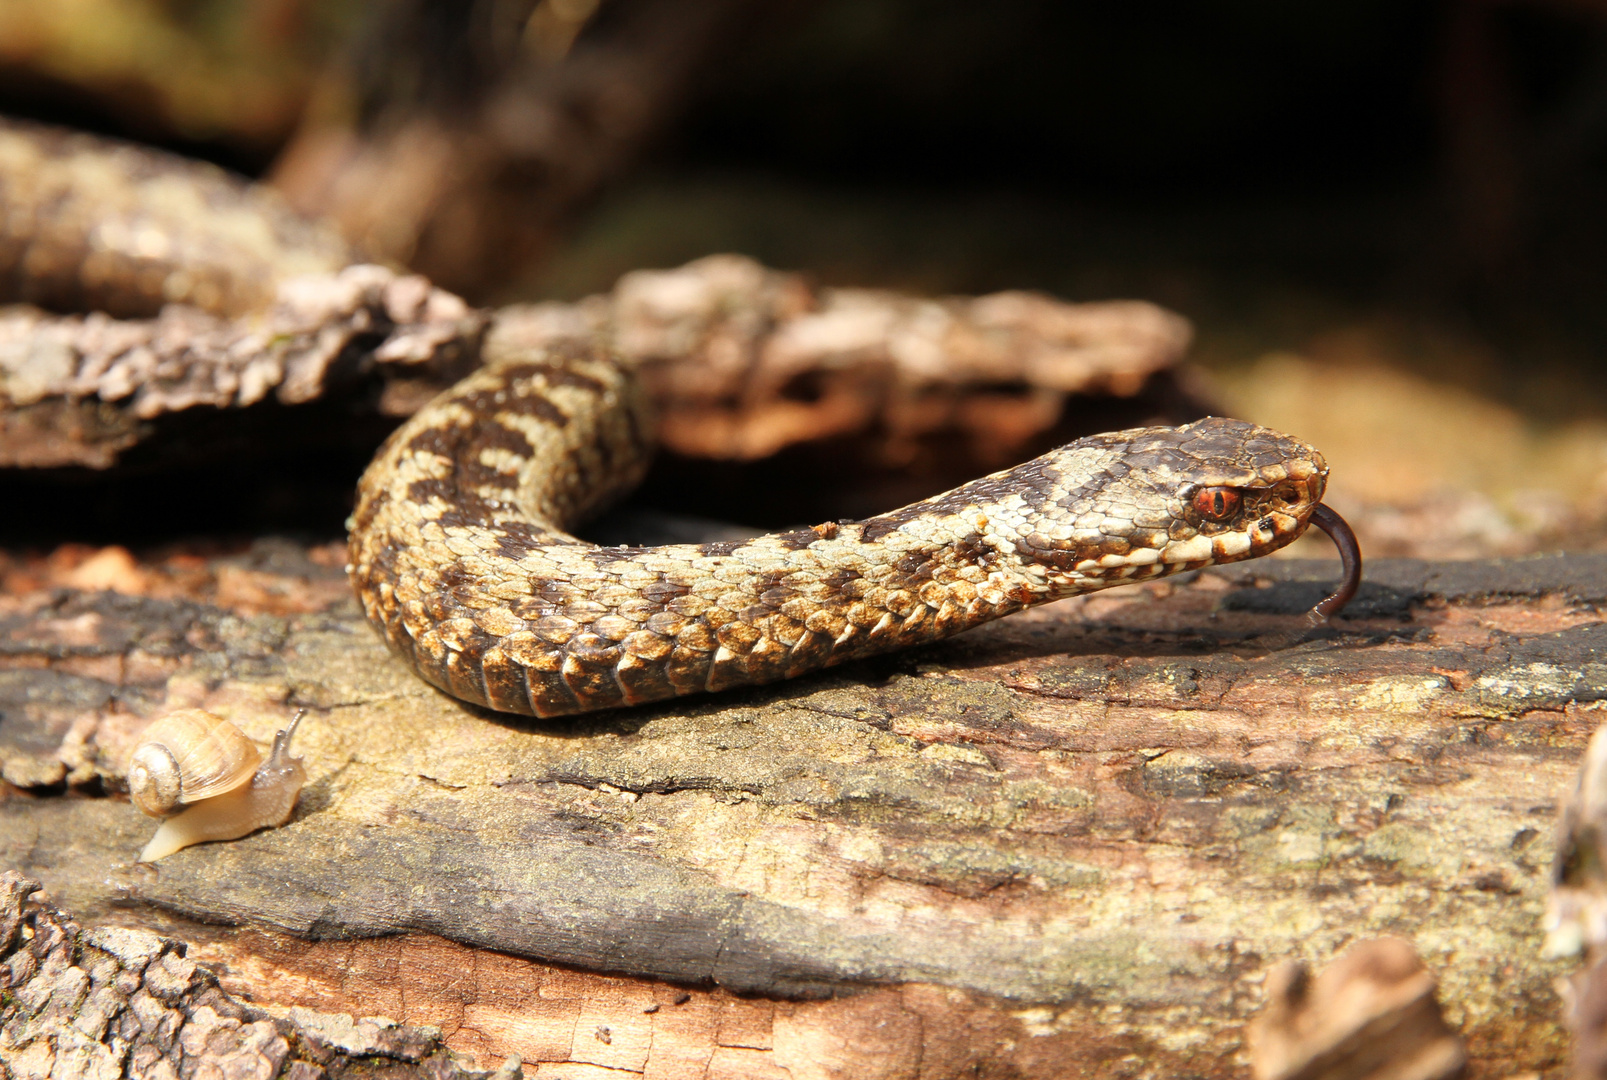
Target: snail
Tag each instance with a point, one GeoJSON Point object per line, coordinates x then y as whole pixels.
{"type": "Point", "coordinates": [209, 781]}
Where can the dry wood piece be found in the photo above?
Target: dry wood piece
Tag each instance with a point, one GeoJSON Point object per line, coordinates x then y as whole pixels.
{"type": "Point", "coordinates": [83, 390]}
{"type": "Point", "coordinates": [1062, 840]}
{"type": "Point", "coordinates": [107, 1001]}
{"type": "Point", "coordinates": [1371, 1015]}
{"type": "Point", "coordinates": [93, 224]}
{"type": "Point", "coordinates": [1586, 999]}
{"type": "Point", "coordinates": [246, 302]}
{"type": "Point", "coordinates": [1576, 915]}
{"type": "Point", "coordinates": [743, 361]}
{"type": "Point", "coordinates": [746, 361]}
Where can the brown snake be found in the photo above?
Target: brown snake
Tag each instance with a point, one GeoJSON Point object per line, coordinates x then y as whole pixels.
{"type": "Point", "coordinates": [459, 554]}
{"type": "Point", "coordinates": [458, 551]}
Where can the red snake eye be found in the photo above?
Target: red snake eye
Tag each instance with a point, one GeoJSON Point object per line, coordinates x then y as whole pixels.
{"type": "Point", "coordinates": [1217, 503]}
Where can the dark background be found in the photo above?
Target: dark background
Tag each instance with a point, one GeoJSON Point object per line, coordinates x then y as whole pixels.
{"type": "Point", "coordinates": [1426, 178]}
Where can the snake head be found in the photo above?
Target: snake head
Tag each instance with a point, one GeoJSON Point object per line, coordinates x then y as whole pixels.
{"type": "Point", "coordinates": [1147, 502]}
{"type": "Point", "coordinates": [1238, 490]}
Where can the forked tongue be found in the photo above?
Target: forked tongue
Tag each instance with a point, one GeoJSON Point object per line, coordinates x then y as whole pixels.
{"type": "Point", "coordinates": [1350, 562]}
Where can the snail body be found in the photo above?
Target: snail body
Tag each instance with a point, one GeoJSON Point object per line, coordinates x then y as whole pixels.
{"type": "Point", "coordinates": [211, 779]}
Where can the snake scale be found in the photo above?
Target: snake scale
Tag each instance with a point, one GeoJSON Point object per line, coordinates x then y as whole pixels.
{"type": "Point", "coordinates": [458, 546]}
{"type": "Point", "coordinates": [459, 552]}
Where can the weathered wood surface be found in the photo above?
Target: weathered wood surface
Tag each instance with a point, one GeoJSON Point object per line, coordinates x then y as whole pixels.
{"type": "Point", "coordinates": [741, 362]}
{"type": "Point", "coordinates": [1076, 836]}
{"type": "Point", "coordinates": [108, 1002]}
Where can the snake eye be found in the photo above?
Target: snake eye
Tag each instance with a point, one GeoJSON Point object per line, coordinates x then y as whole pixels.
{"type": "Point", "coordinates": [1217, 503]}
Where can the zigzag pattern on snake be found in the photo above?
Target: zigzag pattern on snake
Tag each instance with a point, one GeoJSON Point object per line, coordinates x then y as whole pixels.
{"type": "Point", "coordinates": [458, 546]}
{"type": "Point", "coordinates": [460, 555]}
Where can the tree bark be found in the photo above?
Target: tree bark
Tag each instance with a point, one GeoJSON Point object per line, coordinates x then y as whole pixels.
{"type": "Point", "coordinates": [1069, 843]}
{"type": "Point", "coordinates": [108, 1001]}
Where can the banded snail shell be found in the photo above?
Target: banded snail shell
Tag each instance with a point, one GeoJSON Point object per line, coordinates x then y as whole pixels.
{"type": "Point", "coordinates": [187, 756]}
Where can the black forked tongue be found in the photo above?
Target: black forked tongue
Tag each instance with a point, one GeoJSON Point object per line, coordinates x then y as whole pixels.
{"type": "Point", "coordinates": [1350, 562]}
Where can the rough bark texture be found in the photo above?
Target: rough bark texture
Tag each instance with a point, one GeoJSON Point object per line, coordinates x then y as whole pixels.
{"type": "Point", "coordinates": [84, 390]}
{"type": "Point", "coordinates": [250, 309]}
{"type": "Point", "coordinates": [92, 224]}
{"type": "Point", "coordinates": [1071, 843]}
{"type": "Point", "coordinates": [742, 361]}
{"type": "Point", "coordinates": [109, 1002]}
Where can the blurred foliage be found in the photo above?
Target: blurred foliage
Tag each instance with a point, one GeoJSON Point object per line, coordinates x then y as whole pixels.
{"type": "Point", "coordinates": [235, 72]}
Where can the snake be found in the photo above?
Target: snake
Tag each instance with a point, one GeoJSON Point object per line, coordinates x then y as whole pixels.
{"type": "Point", "coordinates": [460, 550]}
{"type": "Point", "coordinates": [462, 557]}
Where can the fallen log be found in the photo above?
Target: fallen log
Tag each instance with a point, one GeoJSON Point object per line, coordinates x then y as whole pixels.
{"type": "Point", "coordinates": [1071, 839]}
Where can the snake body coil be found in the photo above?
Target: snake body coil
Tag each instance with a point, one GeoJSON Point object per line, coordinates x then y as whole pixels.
{"type": "Point", "coordinates": [459, 554]}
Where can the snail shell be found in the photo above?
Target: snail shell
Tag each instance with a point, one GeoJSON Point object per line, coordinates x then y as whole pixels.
{"type": "Point", "coordinates": [202, 767]}
{"type": "Point", "coordinates": [187, 756]}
